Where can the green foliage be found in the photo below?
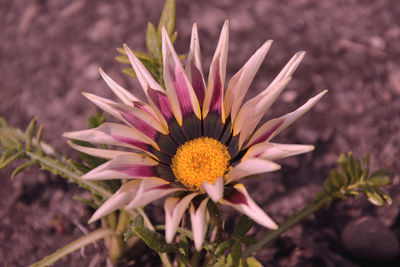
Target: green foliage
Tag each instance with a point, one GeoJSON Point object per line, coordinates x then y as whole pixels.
{"type": "Point", "coordinates": [153, 239]}
{"type": "Point", "coordinates": [354, 178]}
{"type": "Point", "coordinates": [28, 148]}
{"type": "Point", "coordinates": [96, 119]}
{"type": "Point", "coordinates": [242, 227]}
{"type": "Point", "coordinates": [244, 262]}
{"type": "Point", "coordinates": [153, 59]}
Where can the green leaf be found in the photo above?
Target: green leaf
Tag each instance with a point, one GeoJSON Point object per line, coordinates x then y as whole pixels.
{"type": "Point", "coordinates": [30, 130]}
{"type": "Point", "coordinates": [173, 39]}
{"type": "Point", "coordinates": [129, 233]}
{"type": "Point", "coordinates": [242, 226]}
{"type": "Point", "coordinates": [153, 240]}
{"type": "Point", "coordinates": [129, 72]}
{"type": "Point", "coordinates": [224, 246]}
{"type": "Point", "coordinates": [167, 18]}
{"type": "Point", "coordinates": [249, 240]}
{"type": "Point", "coordinates": [153, 41]}
{"type": "Point", "coordinates": [22, 167]}
{"type": "Point", "coordinates": [250, 262]}
{"type": "Point", "coordinates": [123, 59]}
{"type": "Point", "coordinates": [73, 246]}
{"type": "Point", "coordinates": [236, 253]}
{"type": "Point", "coordinates": [381, 178]}
{"type": "Point", "coordinates": [96, 119]}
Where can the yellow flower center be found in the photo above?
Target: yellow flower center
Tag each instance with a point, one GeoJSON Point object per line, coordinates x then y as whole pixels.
{"type": "Point", "coordinates": [200, 160]}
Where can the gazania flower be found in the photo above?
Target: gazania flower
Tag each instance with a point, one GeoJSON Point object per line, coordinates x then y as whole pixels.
{"type": "Point", "coordinates": [191, 140]}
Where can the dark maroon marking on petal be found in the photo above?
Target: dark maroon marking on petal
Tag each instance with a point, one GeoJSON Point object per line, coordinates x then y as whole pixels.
{"type": "Point", "coordinates": [164, 186]}
{"type": "Point", "coordinates": [216, 98]}
{"type": "Point", "coordinates": [139, 124]}
{"type": "Point", "coordinates": [182, 91]}
{"type": "Point", "coordinates": [197, 82]}
{"type": "Point", "coordinates": [237, 198]}
{"type": "Point", "coordinates": [141, 106]}
{"type": "Point", "coordinates": [132, 142]}
{"type": "Point", "coordinates": [162, 103]}
{"type": "Point", "coordinates": [268, 133]}
{"type": "Point", "coordinates": [135, 170]}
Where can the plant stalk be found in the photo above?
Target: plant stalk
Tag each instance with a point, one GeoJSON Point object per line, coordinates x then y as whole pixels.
{"type": "Point", "coordinates": [288, 224]}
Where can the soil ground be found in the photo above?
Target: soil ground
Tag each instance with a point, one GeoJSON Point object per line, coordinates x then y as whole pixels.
{"type": "Point", "coordinates": [50, 51]}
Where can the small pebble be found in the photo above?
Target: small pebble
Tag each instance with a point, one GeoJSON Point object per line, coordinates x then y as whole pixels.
{"type": "Point", "coordinates": [368, 238]}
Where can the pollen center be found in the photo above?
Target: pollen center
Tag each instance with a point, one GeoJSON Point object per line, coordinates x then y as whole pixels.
{"type": "Point", "coordinates": [200, 160]}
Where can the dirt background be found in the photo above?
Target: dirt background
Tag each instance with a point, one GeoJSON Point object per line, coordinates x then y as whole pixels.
{"type": "Point", "coordinates": [50, 52]}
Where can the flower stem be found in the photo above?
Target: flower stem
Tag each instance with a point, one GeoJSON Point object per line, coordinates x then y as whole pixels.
{"type": "Point", "coordinates": [57, 167]}
{"type": "Point", "coordinates": [288, 224]}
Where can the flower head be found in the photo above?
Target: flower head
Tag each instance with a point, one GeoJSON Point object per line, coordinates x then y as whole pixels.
{"type": "Point", "coordinates": [191, 137]}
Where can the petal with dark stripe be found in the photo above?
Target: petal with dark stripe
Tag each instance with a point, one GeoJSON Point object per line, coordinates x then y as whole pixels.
{"type": "Point", "coordinates": [174, 209]}
{"type": "Point", "coordinates": [240, 200]}
{"type": "Point", "coordinates": [240, 82]}
{"type": "Point", "coordinates": [251, 166]}
{"type": "Point", "coordinates": [273, 127]}
{"type": "Point", "coordinates": [198, 221]}
{"type": "Point", "coordinates": [216, 80]}
{"type": "Point", "coordinates": [193, 69]}
{"type": "Point", "coordinates": [273, 151]}
{"type": "Point", "coordinates": [114, 134]}
{"type": "Point", "coordinates": [179, 90]}
{"type": "Point", "coordinates": [125, 166]}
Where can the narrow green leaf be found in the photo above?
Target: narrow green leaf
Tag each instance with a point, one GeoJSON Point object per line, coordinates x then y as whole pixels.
{"type": "Point", "coordinates": [29, 134]}
{"type": "Point", "coordinates": [250, 262]}
{"type": "Point", "coordinates": [73, 246]}
{"type": "Point", "coordinates": [380, 178]}
{"type": "Point", "coordinates": [11, 159]}
{"type": "Point", "coordinates": [249, 240]}
{"type": "Point", "coordinates": [153, 41]}
{"type": "Point", "coordinates": [223, 246]}
{"type": "Point", "coordinates": [96, 119]}
{"type": "Point", "coordinates": [123, 59]}
{"type": "Point", "coordinates": [153, 240]}
{"type": "Point", "coordinates": [3, 123]}
{"type": "Point", "coordinates": [22, 167]}
{"type": "Point", "coordinates": [242, 226]}
{"type": "Point", "coordinates": [129, 72]}
{"type": "Point", "coordinates": [139, 221]}
{"type": "Point", "coordinates": [167, 18]}
{"type": "Point", "coordinates": [236, 253]}
{"type": "Point", "coordinates": [38, 139]}
{"type": "Point", "coordinates": [174, 36]}
{"type": "Point", "coordinates": [129, 233]}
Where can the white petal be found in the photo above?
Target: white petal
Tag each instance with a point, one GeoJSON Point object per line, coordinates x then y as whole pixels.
{"type": "Point", "coordinates": [126, 192]}
{"type": "Point", "coordinates": [112, 134]}
{"type": "Point", "coordinates": [174, 209]}
{"type": "Point", "coordinates": [123, 167]}
{"type": "Point", "coordinates": [147, 82]}
{"type": "Point", "coordinates": [150, 190]}
{"type": "Point", "coordinates": [251, 166]}
{"type": "Point", "coordinates": [240, 82]}
{"type": "Point", "coordinates": [273, 151]}
{"type": "Point", "coordinates": [216, 190]}
{"type": "Point", "coordinates": [126, 97]}
{"type": "Point", "coordinates": [198, 219]}
{"type": "Point", "coordinates": [218, 65]}
{"type": "Point", "coordinates": [122, 111]}
{"type": "Point", "coordinates": [283, 121]}
{"type": "Point", "coordinates": [245, 204]}
{"type": "Point", "coordinates": [253, 110]}
{"type": "Point", "coordinates": [98, 152]}
{"type": "Point", "coordinates": [178, 87]}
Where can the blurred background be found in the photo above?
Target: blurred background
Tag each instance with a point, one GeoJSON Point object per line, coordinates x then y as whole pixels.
{"type": "Point", "coordinates": [50, 52]}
